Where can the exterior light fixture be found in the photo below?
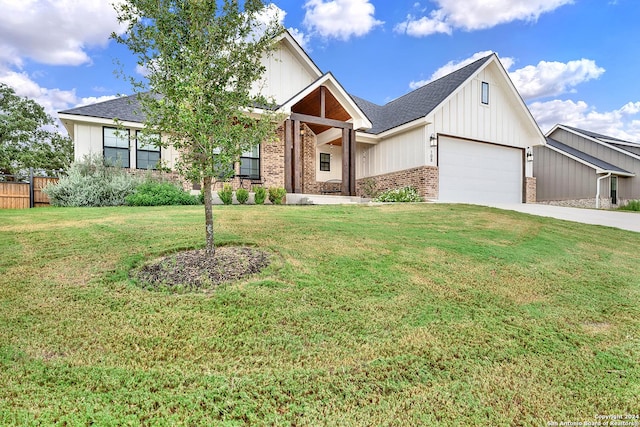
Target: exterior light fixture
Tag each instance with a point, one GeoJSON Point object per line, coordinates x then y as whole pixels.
{"type": "Point", "coordinates": [529, 154]}
{"type": "Point", "coordinates": [433, 140]}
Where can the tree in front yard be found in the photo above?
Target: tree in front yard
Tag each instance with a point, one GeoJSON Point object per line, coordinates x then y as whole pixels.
{"type": "Point", "coordinates": [25, 140]}
{"type": "Point", "coordinates": [203, 63]}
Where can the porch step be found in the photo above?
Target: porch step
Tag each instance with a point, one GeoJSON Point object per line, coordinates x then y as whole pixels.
{"type": "Point", "coordinates": [317, 199]}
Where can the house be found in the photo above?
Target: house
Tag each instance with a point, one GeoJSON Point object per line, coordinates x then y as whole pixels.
{"type": "Point", "coordinates": [586, 169]}
{"type": "Point", "coordinates": [465, 137]}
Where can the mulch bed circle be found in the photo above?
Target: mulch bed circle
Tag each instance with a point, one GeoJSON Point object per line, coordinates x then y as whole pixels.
{"type": "Point", "coordinates": [196, 270]}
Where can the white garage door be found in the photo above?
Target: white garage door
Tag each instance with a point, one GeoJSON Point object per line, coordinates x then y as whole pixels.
{"type": "Point", "coordinates": [476, 172]}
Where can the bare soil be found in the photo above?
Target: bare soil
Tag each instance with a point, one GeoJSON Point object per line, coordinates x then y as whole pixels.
{"type": "Point", "coordinates": [195, 270]}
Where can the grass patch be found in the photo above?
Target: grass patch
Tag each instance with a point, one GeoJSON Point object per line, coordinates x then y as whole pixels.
{"type": "Point", "coordinates": [385, 315]}
{"type": "Point", "coordinates": [632, 205]}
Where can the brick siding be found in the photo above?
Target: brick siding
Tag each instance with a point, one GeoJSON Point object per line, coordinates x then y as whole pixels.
{"type": "Point", "coordinates": [424, 179]}
{"type": "Point", "coordinates": [272, 161]}
{"type": "Point", "coordinates": [530, 190]}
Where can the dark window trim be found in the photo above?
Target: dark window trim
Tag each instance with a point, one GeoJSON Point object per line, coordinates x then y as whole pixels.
{"type": "Point", "coordinates": [252, 176]}
{"type": "Point", "coordinates": [325, 165]}
{"type": "Point", "coordinates": [484, 93]}
{"type": "Point", "coordinates": [104, 146]}
{"type": "Point", "coordinates": [156, 150]}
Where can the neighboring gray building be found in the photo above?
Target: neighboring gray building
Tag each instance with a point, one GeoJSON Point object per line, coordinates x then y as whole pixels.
{"type": "Point", "coordinates": [582, 168]}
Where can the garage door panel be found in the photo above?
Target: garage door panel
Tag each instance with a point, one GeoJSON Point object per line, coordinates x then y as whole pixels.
{"type": "Point", "coordinates": [477, 172]}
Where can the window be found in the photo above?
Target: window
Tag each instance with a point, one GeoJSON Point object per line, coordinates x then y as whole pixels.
{"type": "Point", "coordinates": [147, 152]}
{"type": "Point", "coordinates": [614, 190]}
{"type": "Point", "coordinates": [325, 162]}
{"type": "Point", "coordinates": [223, 171]}
{"type": "Point", "coordinates": [485, 93]}
{"type": "Point", "coordinates": [116, 146]}
{"type": "Point", "coordinates": [250, 163]}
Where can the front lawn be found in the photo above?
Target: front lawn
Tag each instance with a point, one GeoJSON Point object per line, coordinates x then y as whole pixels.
{"type": "Point", "coordinates": [386, 315]}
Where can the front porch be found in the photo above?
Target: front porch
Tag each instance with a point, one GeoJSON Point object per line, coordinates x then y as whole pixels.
{"type": "Point", "coordinates": [319, 139]}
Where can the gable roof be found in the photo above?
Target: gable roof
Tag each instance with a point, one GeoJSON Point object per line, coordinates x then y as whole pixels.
{"type": "Point", "coordinates": [126, 108]}
{"type": "Point", "coordinates": [370, 118]}
{"type": "Point", "coordinates": [604, 140]}
{"type": "Point", "coordinates": [418, 103]}
{"type": "Point", "coordinates": [595, 135]}
{"type": "Point", "coordinates": [360, 119]}
{"type": "Point", "coordinates": [599, 165]}
{"type": "Point", "coordinates": [299, 53]}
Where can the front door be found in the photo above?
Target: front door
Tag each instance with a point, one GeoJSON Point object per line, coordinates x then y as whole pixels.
{"type": "Point", "coordinates": [614, 190]}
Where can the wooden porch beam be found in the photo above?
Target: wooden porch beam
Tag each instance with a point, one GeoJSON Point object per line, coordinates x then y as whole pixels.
{"type": "Point", "coordinates": [297, 158]}
{"type": "Point", "coordinates": [288, 148]}
{"type": "Point", "coordinates": [321, 121]}
{"type": "Point", "coordinates": [352, 162]}
{"type": "Point", "coordinates": [346, 176]}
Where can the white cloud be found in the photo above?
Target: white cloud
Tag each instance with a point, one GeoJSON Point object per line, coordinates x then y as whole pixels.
{"type": "Point", "coordinates": [273, 13]}
{"type": "Point", "coordinates": [340, 19]}
{"type": "Point", "coordinates": [302, 38]}
{"type": "Point", "coordinates": [554, 78]}
{"type": "Point", "coordinates": [452, 66]}
{"type": "Point", "coordinates": [472, 15]}
{"type": "Point", "coordinates": [622, 123]}
{"type": "Point", "coordinates": [423, 26]}
{"type": "Point", "coordinates": [55, 32]}
{"type": "Point", "coordinates": [52, 32]}
{"type": "Point", "coordinates": [53, 100]}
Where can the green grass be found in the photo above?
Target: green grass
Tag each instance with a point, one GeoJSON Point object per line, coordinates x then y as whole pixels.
{"type": "Point", "coordinates": [386, 315]}
{"type": "Point", "coordinates": [632, 205]}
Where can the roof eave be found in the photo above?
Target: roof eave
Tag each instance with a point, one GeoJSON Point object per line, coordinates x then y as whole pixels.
{"type": "Point", "coordinates": [598, 169]}
{"type": "Point", "coordinates": [97, 120]}
{"type": "Point", "coordinates": [360, 119]}
{"type": "Point", "coordinates": [300, 53]}
{"type": "Point", "coordinates": [596, 140]}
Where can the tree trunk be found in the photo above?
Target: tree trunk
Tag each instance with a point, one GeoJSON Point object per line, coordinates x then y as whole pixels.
{"type": "Point", "coordinates": [208, 216]}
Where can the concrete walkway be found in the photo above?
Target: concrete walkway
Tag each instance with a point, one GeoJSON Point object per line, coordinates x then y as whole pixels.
{"type": "Point", "coordinates": [619, 219]}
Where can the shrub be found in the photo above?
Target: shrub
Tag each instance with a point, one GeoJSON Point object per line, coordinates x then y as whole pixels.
{"type": "Point", "coordinates": [260, 194]}
{"type": "Point", "coordinates": [154, 193]}
{"type": "Point", "coordinates": [404, 194]}
{"type": "Point", "coordinates": [226, 194]}
{"type": "Point", "coordinates": [242, 195]}
{"type": "Point", "coordinates": [369, 188]}
{"type": "Point", "coordinates": [633, 205]}
{"type": "Point", "coordinates": [91, 182]}
{"type": "Point", "coordinates": [276, 195]}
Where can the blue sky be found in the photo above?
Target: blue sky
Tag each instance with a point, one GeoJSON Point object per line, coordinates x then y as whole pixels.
{"type": "Point", "coordinates": [574, 62]}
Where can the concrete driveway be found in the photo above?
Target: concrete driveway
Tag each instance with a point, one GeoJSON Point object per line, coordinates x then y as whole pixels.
{"type": "Point", "coordinates": [619, 219]}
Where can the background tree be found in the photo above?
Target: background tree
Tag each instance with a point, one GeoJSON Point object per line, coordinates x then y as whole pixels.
{"type": "Point", "coordinates": [203, 58]}
{"type": "Point", "coordinates": [28, 137]}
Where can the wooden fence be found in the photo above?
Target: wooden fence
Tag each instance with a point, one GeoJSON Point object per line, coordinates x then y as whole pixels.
{"type": "Point", "coordinates": [25, 195]}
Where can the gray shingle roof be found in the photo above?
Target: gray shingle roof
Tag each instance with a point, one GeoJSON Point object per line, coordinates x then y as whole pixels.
{"type": "Point", "coordinates": [418, 103]}
{"type": "Point", "coordinates": [586, 157]}
{"type": "Point", "coordinates": [126, 108]}
{"type": "Point", "coordinates": [405, 109]}
{"type": "Point", "coordinates": [596, 135]}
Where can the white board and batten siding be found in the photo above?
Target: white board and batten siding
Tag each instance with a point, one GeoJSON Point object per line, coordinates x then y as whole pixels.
{"type": "Point", "coordinates": [396, 153]}
{"type": "Point", "coordinates": [285, 75]}
{"type": "Point", "coordinates": [335, 163]}
{"type": "Point", "coordinates": [502, 121]}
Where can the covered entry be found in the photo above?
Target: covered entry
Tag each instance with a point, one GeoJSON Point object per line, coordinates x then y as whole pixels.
{"type": "Point", "coordinates": [479, 172]}
{"type": "Point", "coordinates": [330, 114]}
